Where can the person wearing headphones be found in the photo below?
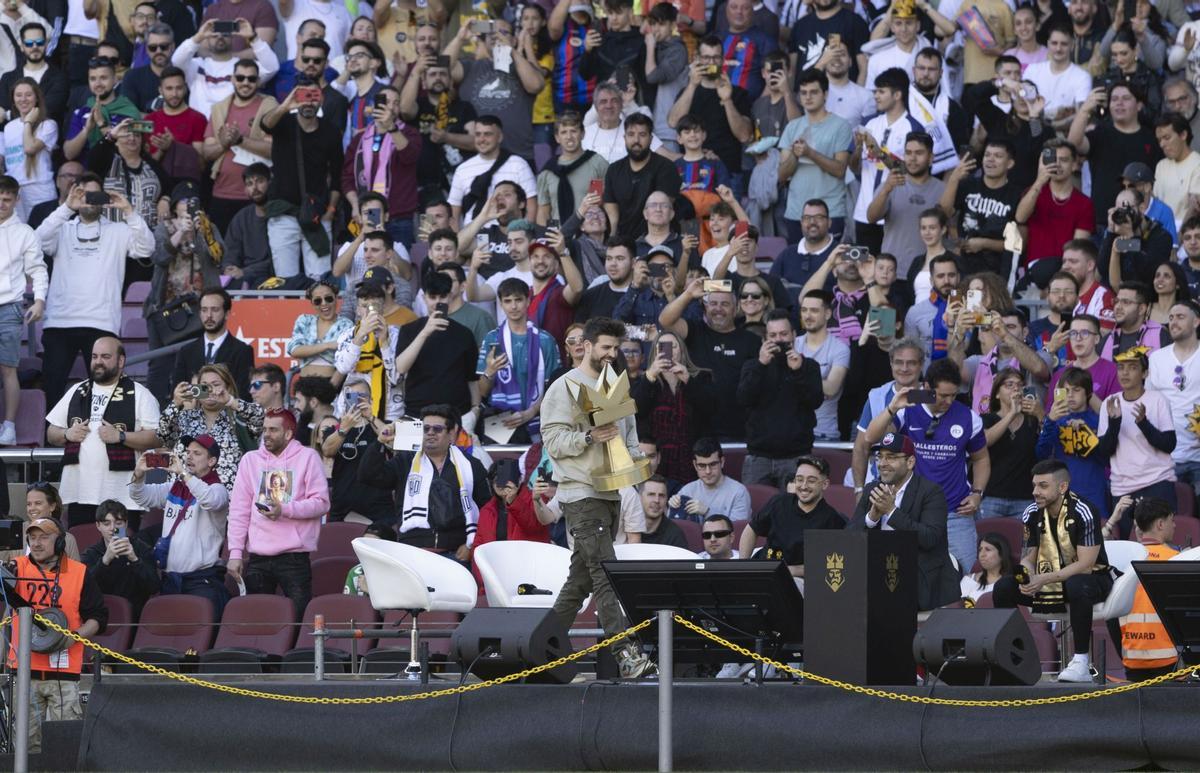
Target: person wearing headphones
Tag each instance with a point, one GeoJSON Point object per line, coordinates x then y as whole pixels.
{"type": "Point", "coordinates": [48, 579]}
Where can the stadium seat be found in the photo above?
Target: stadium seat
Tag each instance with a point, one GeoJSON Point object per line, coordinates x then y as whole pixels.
{"type": "Point", "coordinates": [417, 255]}
{"type": "Point", "coordinates": [1011, 529]}
{"type": "Point", "coordinates": [133, 326]}
{"type": "Point", "coordinates": [643, 551]}
{"type": "Point", "coordinates": [738, 528]}
{"type": "Point", "coordinates": [119, 633]}
{"type": "Point", "coordinates": [734, 457]}
{"type": "Point", "coordinates": [329, 574]}
{"type": "Point", "coordinates": [542, 154]}
{"type": "Point", "coordinates": [341, 611]}
{"type": "Point", "coordinates": [1186, 499]}
{"type": "Point", "coordinates": [759, 495]}
{"type": "Point", "coordinates": [31, 418]}
{"type": "Point", "coordinates": [86, 535]}
{"type": "Point", "coordinates": [335, 539]}
{"type": "Point", "coordinates": [137, 370]}
{"type": "Point", "coordinates": [691, 530]}
{"type": "Point", "coordinates": [842, 499]}
{"type": "Point", "coordinates": [1187, 532]}
{"type": "Point", "coordinates": [839, 462]}
{"type": "Point", "coordinates": [403, 578]}
{"type": "Point", "coordinates": [170, 629]}
{"type": "Point", "coordinates": [137, 293]}
{"type": "Point", "coordinates": [504, 566]}
{"type": "Point", "coordinates": [255, 630]}
{"type": "Point", "coordinates": [769, 247]}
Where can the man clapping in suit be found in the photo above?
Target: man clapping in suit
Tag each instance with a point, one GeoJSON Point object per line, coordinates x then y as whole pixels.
{"type": "Point", "coordinates": [904, 501]}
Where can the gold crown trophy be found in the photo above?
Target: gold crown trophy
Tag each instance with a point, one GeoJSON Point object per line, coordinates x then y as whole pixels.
{"type": "Point", "coordinates": [605, 403]}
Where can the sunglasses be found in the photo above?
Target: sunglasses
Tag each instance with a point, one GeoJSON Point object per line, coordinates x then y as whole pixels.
{"type": "Point", "coordinates": [433, 429]}
{"type": "Point", "coordinates": [39, 485]}
{"type": "Point", "coordinates": [572, 340]}
{"type": "Point", "coordinates": [721, 534]}
{"type": "Point", "coordinates": [153, 47]}
{"type": "Point", "coordinates": [751, 296]}
{"type": "Point", "coordinates": [258, 384]}
{"type": "Point", "coordinates": [312, 59]}
{"type": "Point", "coordinates": [933, 425]}
{"type": "Point", "coordinates": [323, 300]}
{"type": "Point", "coordinates": [102, 61]}
{"type": "Point", "coordinates": [33, 43]}
{"type": "Point", "coordinates": [246, 78]}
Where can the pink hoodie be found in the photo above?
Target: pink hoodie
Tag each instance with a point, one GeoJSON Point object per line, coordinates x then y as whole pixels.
{"type": "Point", "coordinates": [296, 532]}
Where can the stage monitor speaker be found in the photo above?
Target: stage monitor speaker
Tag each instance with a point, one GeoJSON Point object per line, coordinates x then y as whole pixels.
{"type": "Point", "coordinates": [978, 646]}
{"type": "Point", "coordinates": [498, 641]}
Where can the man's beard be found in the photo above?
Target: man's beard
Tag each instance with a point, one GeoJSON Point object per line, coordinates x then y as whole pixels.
{"type": "Point", "coordinates": [639, 155]}
{"type": "Point", "coordinates": [597, 364]}
{"type": "Point", "coordinates": [102, 375]}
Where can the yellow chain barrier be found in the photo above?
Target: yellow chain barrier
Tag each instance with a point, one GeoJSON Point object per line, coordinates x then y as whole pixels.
{"type": "Point", "coordinates": [339, 701]}
{"type": "Point", "coordinates": [896, 696]}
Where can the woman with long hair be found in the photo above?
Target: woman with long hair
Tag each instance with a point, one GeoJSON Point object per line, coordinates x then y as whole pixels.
{"type": "Point", "coordinates": [533, 43]}
{"type": "Point", "coordinates": [28, 141]}
{"type": "Point", "coordinates": [210, 405]}
{"type": "Point", "coordinates": [1010, 427]}
{"type": "Point", "coordinates": [1170, 287]}
{"type": "Point", "coordinates": [1027, 50]}
{"type": "Point", "coordinates": [315, 336]}
{"type": "Point", "coordinates": [673, 398]}
{"type": "Point", "coordinates": [42, 500]}
{"type": "Point", "coordinates": [994, 563]}
{"type": "Point", "coordinates": [755, 302]}
{"type": "Point", "coordinates": [932, 225]}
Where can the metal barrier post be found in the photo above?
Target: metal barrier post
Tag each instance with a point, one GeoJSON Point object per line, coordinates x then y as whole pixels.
{"type": "Point", "coordinates": [21, 731]}
{"type": "Point", "coordinates": [666, 668]}
{"type": "Point", "coordinates": [319, 647]}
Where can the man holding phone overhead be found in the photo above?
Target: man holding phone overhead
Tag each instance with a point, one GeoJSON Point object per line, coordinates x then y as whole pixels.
{"type": "Point", "coordinates": [210, 78]}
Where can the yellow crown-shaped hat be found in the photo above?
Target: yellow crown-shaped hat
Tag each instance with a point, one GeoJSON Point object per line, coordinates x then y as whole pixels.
{"type": "Point", "coordinates": [904, 9]}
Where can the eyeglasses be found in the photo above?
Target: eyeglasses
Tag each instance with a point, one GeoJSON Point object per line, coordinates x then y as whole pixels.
{"type": "Point", "coordinates": [258, 384]}
{"type": "Point", "coordinates": [708, 465]}
{"type": "Point", "coordinates": [323, 300]}
{"type": "Point", "coordinates": [751, 296]}
{"type": "Point", "coordinates": [153, 47]}
{"type": "Point", "coordinates": [813, 218]}
{"type": "Point", "coordinates": [358, 55]}
{"type": "Point", "coordinates": [312, 59]}
{"type": "Point", "coordinates": [1078, 334]}
{"type": "Point", "coordinates": [246, 78]}
{"type": "Point", "coordinates": [721, 534]}
{"type": "Point", "coordinates": [658, 205]}
{"type": "Point", "coordinates": [433, 429]}
{"type": "Point", "coordinates": [34, 43]}
{"type": "Point", "coordinates": [145, 16]}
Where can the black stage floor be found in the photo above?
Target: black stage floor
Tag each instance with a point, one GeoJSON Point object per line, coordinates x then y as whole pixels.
{"type": "Point", "coordinates": [603, 726]}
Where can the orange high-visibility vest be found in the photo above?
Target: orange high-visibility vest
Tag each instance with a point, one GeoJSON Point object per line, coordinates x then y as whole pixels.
{"type": "Point", "coordinates": [41, 593]}
{"type": "Point", "coordinates": [1144, 641]}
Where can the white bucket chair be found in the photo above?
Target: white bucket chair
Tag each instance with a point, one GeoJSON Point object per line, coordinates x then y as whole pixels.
{"type": "Point", "coordinates": [505, 566]}
{"type": "Point", "coordinates": [1121, 554]}
{"type": "Point", "coordinates": [414, 580]}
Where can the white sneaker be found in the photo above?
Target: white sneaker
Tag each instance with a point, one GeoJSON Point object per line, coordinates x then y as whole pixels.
{"type": "Point", "coordinates": [8, 434]}
{"type": "Point", "coordinates": [1076, 671]}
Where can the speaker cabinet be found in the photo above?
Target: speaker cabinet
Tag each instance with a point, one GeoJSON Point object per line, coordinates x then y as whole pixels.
{"type": "Point", "coordinates": [978, 647]}
{"type": "Point", "coordinates": [498, 641]}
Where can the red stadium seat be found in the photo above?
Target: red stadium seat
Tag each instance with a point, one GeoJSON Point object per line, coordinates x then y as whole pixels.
{"type": "Point", "coordinates": [738, 528]}
{"type": "Point", "coordinates": [335, 538]}
{"type": "Point", "coordinates": [170, 628]}
{"type": "Point", "coordinates": [734, 457]}
{"type": "Point", "coordinates": [341, 611]}
{"type": "Point", "coordinates": [842, 499]}
{"type": "Point", "coordinates": [1186, 498]}
{"type": "Point", "coordinates": [255, 630]}
{"type": "Point", "coordinates": [691, 530]}
{"type": "Point", "coordinates": [119, 633]}
{"type": "Point", "coordinates": [769, 247]}
{"type": "Point", "coordinates": [86, 535]}
{"type": "Point", "coordinates": [760, 495]}
{"type": "Point", "coordinates": [1187, 532]}
{"type": "Point", "coordinates": [839, 462]}
{"type": "Point", "coordinates": [329, 574]}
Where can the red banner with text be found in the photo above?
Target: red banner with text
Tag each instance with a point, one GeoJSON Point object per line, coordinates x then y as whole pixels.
{"type": "Point", "coordinates": [266, 324]}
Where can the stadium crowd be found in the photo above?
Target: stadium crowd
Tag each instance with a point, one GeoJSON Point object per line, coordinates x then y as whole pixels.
{"type": "Point", "coordinates": [963, 237]}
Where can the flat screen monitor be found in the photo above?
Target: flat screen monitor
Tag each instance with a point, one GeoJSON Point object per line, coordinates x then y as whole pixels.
{"type": "Point", "coordinates": [1174, 590]}
{"type": "Point", "coordinates": [750, 603]}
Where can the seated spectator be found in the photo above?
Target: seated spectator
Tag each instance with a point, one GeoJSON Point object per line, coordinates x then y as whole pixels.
{"type": "Point", "coordinates": [356, 578]}
{"type": "Point", "coordinates": [509, 515]}
{"type": "Point", "coordinates": [1085, 343]}
{"type": "Point", "coordinates": [178, 137]}
{"type": "Point", "coordinates": [785, 518]}
{"type": "Point", "coordinates": [436, 356]}
{"type": "Point", "coordinates": [674, 399]}
{"type": "Point", "coordinates": [1137, 436]}
{"type": "Point", "coordinates": [195, 509]}
{"type": "Point", "coordinates": [370, 348]}
{"type": "Point", "coordinates": [659, 528]}
{"type": "Point", "coordinates": [1146, 647]}
{"type": "Point", "coordinates": [210, 78]}
{"type": "Point", "coordinates": [513, 364]}
{"type": "Point", "coordinates": [43, 501]}
{"type": "Point", "coordinates": [29, 141]}
{"type": "Point", "coordinates": [1069, 435]}
{"type": "Point", "coordinates": [717, 534]}
{"type": "Point", "coordinates": [1065, 561]}
{"type": "Point", "coordinates": [122, 566]}
{"type": "Point", "coordinates": [1010, 425]}
{"type": "Point", "coordinates": [358, 429]}
{"type": "Point", "coordinates": [714, 491]}
{"type": "Point", "coordinates": [234, 424]}
{"type": "Point", "coordinates": [438, 490]}
{"type": "Point", "coordinates": [994, 562]}
{"type": "Point", "coordinates": [780, 391]}
{"type": "Point", "coordinates": [267, 385]}
{"type": "Point", "coordinates": [315, 336]}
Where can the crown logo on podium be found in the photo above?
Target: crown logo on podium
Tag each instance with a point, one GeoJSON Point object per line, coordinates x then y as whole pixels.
{"type": "Point", "coordinates": [834, 563]}
{"type": "Point", "coordinates": [892, 574]}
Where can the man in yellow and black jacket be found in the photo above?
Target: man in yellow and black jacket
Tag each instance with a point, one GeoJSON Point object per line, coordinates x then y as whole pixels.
{"type": "Point", "coordinates": [47, 578]}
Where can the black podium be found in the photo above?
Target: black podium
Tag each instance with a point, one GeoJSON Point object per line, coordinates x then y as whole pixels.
{"type": "Point", "coordinates": [860, 605]}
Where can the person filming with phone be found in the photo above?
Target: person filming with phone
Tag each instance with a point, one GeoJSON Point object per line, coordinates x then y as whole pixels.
{"type": "Point", "coordinates": [122, 565]}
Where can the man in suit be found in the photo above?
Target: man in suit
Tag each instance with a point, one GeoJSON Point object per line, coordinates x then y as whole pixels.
{"type": "Point", "coordinates": [216, 345]}
{"type": "Point", "coordinates": [904, 501]}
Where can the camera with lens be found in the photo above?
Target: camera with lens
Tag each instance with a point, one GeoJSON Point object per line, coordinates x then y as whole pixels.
{"type": "Point", "coordinates": [198, 391]}
{"type": "Point", "coordinates": [1127, 215]}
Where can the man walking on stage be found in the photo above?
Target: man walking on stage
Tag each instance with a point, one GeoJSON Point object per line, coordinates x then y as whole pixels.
{"type": "Point", "coordinates": [577, 449]}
